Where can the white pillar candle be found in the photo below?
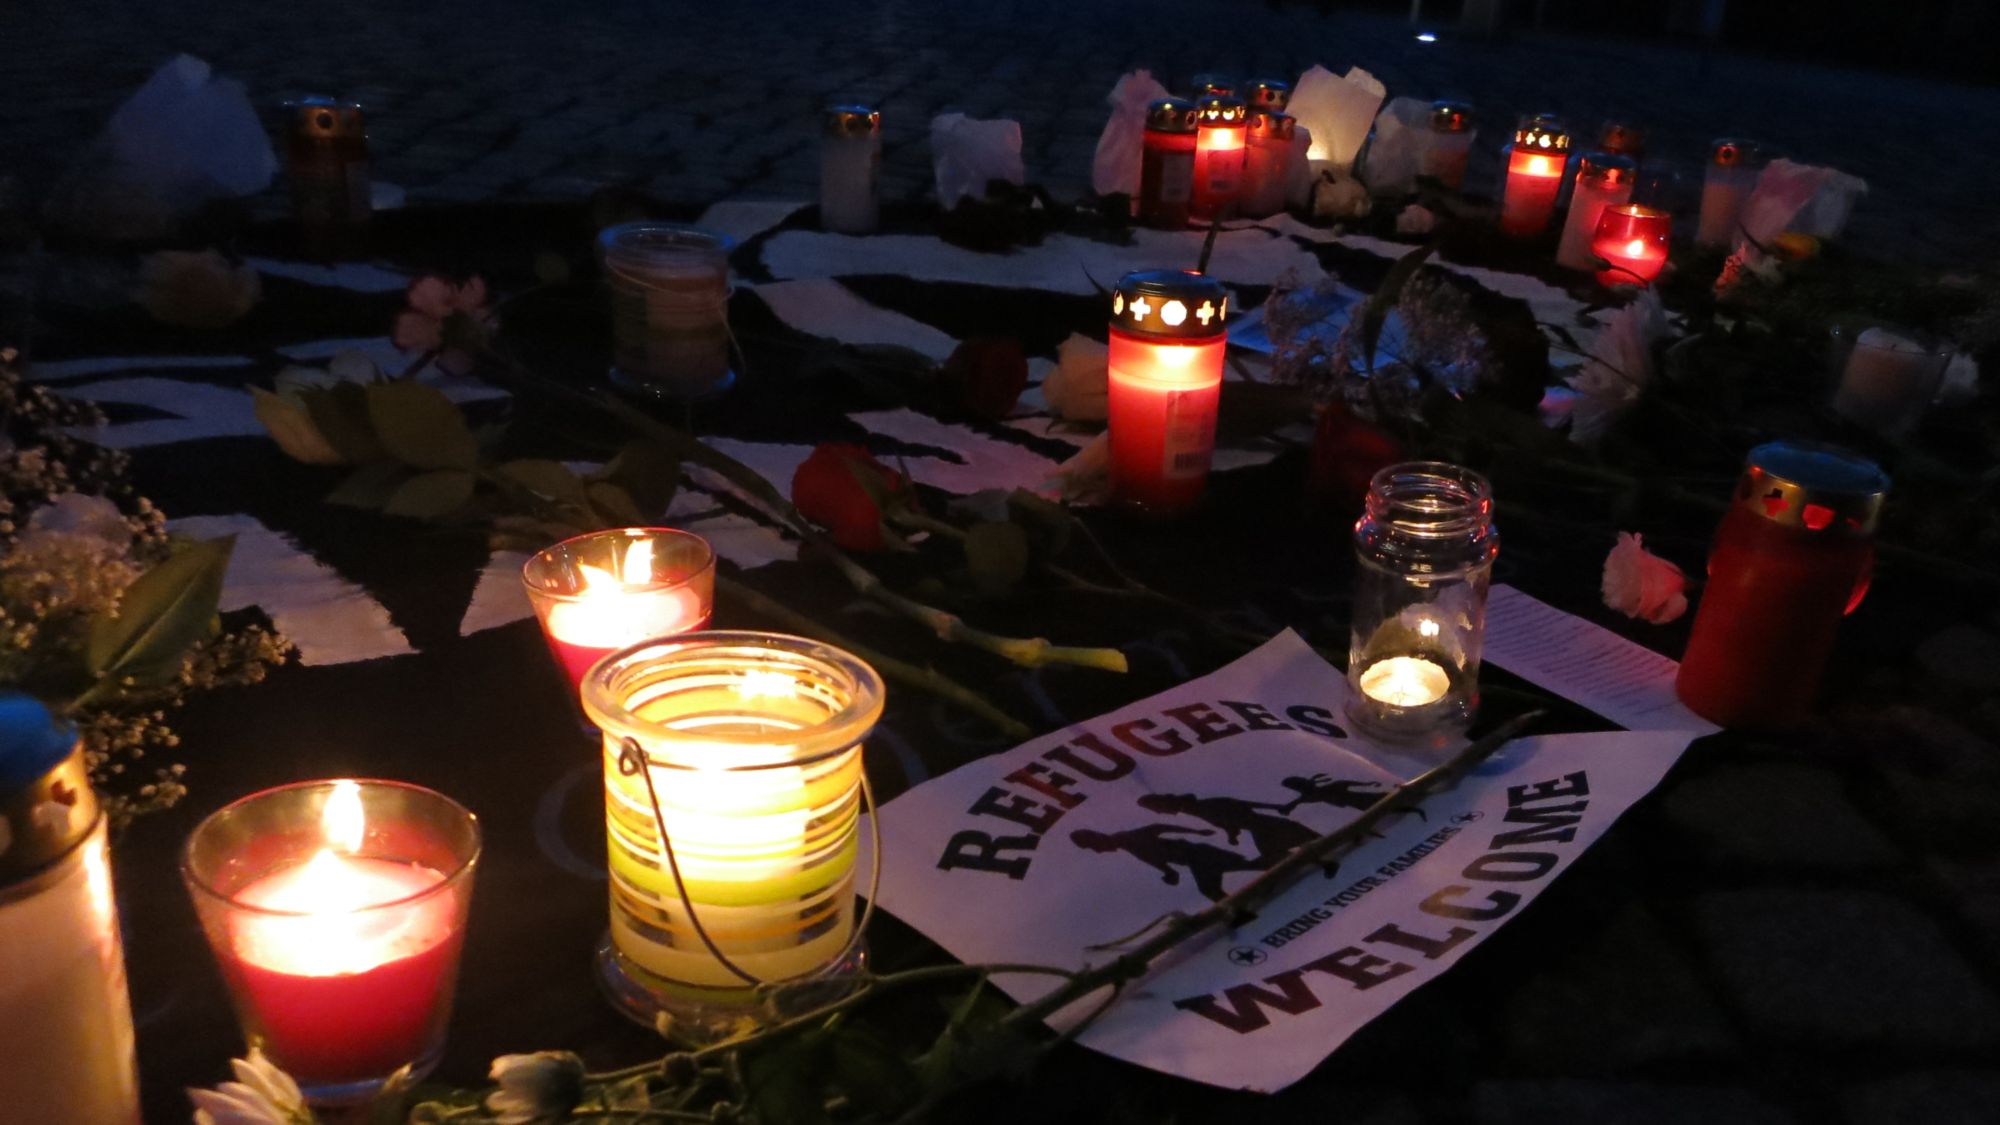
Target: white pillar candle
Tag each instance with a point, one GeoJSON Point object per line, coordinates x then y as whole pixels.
{"type": "Point", "coordinates": [1600, 182]}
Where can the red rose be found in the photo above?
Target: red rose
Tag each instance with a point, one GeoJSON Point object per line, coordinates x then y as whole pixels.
{"type": "Point", "coordinates": [837, 488]}
{"type": "Point", "coordinates": [987, 375]}
{"type": "Point", "coordinates": [1346, 454]}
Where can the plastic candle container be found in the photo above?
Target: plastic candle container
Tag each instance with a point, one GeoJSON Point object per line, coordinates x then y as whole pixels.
{"type": "Point", "coordinates": [1633, 239]}
{"type": "Point", "coordinates": [65, 1022]}
{"type": "Point", "coordinates": [1266, 164]}
{"type": "Point", "coordinates": [1166, 352]}
{"type": "Point", "coordinates": [669, 308]}
{"type": "Point", "coordinates": [1166, 164]}
{"type": "Point", "coordinates": [733, 789]}
{"type": "Point", "coordinates": [1601, 180]}
{"type": "Point", "coordinates": [326, 160]}
{"type": "Point", "coordinates": [1726, 185]}
{"type": "Point", "coordinates": [1221, 127]}
{"type": "Point", "coordinates": [1450, 147]}
{"type": "Point", "coordinates": [850, 166]}
{"type": "Point", "coordinates": [336, 910]}
{"type": "Point", "coordinates": [1535, 164]}
{"type": "Point", "coordinates": [1792, 557]}
{"type": "Point", "coordinates": [1426, 545]}
{"type": "Point", "coordinates": [597, 593]}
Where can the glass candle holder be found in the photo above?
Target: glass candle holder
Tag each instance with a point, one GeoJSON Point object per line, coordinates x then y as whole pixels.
{"type": "Point", "coordinates": [1792, 556]}
{"type": "Point", "coordinates": [1445, 158]}
{"type": "Point", "coordinates": [336, 910]}
{"type": "Point", "coordinates": [1426, 545]}
{"type": "Point", "coordinates": [65, 1022]}
{"type": "Point", "coordinates": [1166, 164]}
{"type": "Point", "coordinates": [1888, 377]}
{"type": "Point", "coordinates": [1265, 165]}
{"type": "Point", "coordinates": [326, 160]}
{"type": "Point", "coordinates": [1221, 137]}
{"type": "Point", "coordinates": [1167, 341]}
{"type": "Point", "coordinates": [1632, 238]}
{"type": "Point", "coordinates": [1535, 164]}
{"type": "Point", "coordinates": [850, 166]}
{"type": "Point", "coordinates": [607, 590]}
{"type": "Point", "coordinates": [743, 752]}
{"type": "Point", "coordinates": [669, 308]}
{"type": "Point", "coordinates": [1601, 180]}
{"type": "Point", "coordinates": [1730, 177]}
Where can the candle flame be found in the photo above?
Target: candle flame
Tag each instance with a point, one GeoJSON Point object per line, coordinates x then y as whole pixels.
{"type": "Point", "coordinates": [343, 823]}
{"type": "Point", "coordinates": [635, 568]}
{"type": "Point", "coordinates": [1428, 628]}
{"type": "Point", "coordinates": [1636, 248]}
{"type": "Point", "coordinates": [761, 684]}
{"type": "Point", "coordinates": [1540, 165]}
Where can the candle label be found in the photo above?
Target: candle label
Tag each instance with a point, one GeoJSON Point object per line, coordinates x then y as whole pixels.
{"type": "Point", "coordinates": [1176, 176]}
{"type": "Point", "coordinates": [1189, 437]}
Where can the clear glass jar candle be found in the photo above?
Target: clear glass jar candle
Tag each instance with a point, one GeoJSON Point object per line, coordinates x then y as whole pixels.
{"type": "Point", "coordinates": [742, 751]}
{"type": "Point", "coordinates": [669, 308]}
{"type": "Point", "coordinates": [1425, 545]}
{"type": "Point", "coordinates": [1601, 180]}
{"type": "Point", "coordinates": [1266, 164]}
{"type": "Point", "coordinates": [850, 167]}
{"type": "Point", "coordinates": [1730, 177]}
{"type": "Point", "coordinates": [1167, 339]}
{"type": "Point", "coordinates": [1450, 148]}
{"type": "Point", "coordinates": [1535, 165]}
{"type": "Point", "coordinates": [1166, 165]}
{"type": "Point", "coordinates": [1220, 150]}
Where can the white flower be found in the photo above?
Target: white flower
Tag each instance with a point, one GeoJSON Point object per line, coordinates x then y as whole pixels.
{"type": "Point", "coordinates": [1961, 380]}
{"type": "Point", "coordinates": [349, 365]}
{"type": "Point", "coordinates": [1086, 477]}
{"type": "Point", "coordinates": [1619, 368]}
{"type": "Point", "coordinates": [1416, 219]}
{"type": "Point", "coordinates": [197, 289]}
{"type": "Point", "coordinates": [537, 1087]}
{"type": "Point", "coordinates": [78, 513]}
{"type": "Point", "coordinates": [261, 1095]}
{"type": "Point", "coordinates": [1078, 389]}
{"type": "Point", "coordinates": [1336, 196]}
{"type": "Point", "coordinates": [1639, 583]}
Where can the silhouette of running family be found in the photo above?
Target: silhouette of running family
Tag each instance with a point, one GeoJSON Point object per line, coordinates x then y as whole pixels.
{"type": "Point", "coordinates": [1272, 831]}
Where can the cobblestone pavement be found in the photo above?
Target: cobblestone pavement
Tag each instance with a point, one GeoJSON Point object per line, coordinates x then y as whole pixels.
{"type": "Point", "coordinates": [526, 99]}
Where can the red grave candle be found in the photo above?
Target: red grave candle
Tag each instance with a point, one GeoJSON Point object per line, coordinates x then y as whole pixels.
{"type": "Point", "coordinates": [1535, 165]}
{"type": "Point", "coordinates": [1793, 555]}
{"type": "Point", "coordinates": [1219, 156]}
{"type": "Point", "coordinates": [339, 936]}
{"type": "Point", "coordinates": [1167, 344]}
{"type": "Point", "coordinates": [607, 590]}
{"type": "Point", "coordinates": [1633, 239]}
{"type": "Point", "coordinates": [1166, 164]}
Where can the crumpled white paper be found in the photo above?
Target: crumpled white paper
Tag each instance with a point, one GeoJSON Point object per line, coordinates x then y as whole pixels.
{"type": "Point", "coordinates": [1619, 368]}
{"type": "Point", "coordinates": [1799, 197]}
{"type": "Point", "coordinates": [183, 138]}
{"type": "Point", "coordinates": [967, 154]}
{"type": "Point", "coordinates": [1402, 135]}
{"type": "Point", "coordinates": [1338, 111]}
{"type": "Point", "coordinates": [1115, 168]}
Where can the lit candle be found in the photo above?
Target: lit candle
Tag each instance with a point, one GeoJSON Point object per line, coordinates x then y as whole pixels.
{"type": "Point", "coordinates": [600, 592]}
{"type": "Point", "coordinates": [1601, 180]}
{"type": "Point", "coordinates": [341, 961]}
{"type": "Point", "coordinates": [1633, 239]}
{"type": "Point", "coordinates": [1219, 155]}
{"type": "Point", "coordinates": [1166, 164]}
{"type": "Point", "coordinates": [1405, 681]}
{"type": "Point", "coordinates": [1534, 176]}
{"type": "Point", "coordinates": [1165, 386]}
{"type": "Point", "coordinates": [1726, 186]}
{"type": "Point", "coordinates": [850, 164]}
{"type": "Point", "coordinates": [1445, 157]}
{"type": "Point", "coordinates": [1267, 164]}
{"type": "Point", "coordinates": [747, 748]}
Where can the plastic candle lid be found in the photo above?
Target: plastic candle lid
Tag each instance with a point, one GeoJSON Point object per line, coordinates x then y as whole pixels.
{"type": "Point", "coordinates": [1279, 126]}
{"type": "Point", "coordinates": [1221, 110]}
{"type": "Point", "coordinates": [1268, 95]}
{"type": "Point", "coordinates": [1815, 487]}
{"type": "Point", "coordinates": [1170, 115]}
{"type": "Point", "coordinates": [1450, 117]}
{"type": "Point", "coordinates": [852, 120]}
{"type": "Point", "coordinates": [1173, 304]}
{"type": "Point", "coordinates": [1606, 169]}
{"type": "Point", "coordinates": [46, 805]}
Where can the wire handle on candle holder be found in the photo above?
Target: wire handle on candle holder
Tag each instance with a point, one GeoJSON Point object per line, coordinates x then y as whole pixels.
{"type": "Point", "coordinates": [690, 303]}
{"type": "Point", "coordinates": [632, 760]}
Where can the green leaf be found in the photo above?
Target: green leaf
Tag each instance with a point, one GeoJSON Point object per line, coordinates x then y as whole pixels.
{"type": "Point", "coordinates": [551, 479]}
{"type": "Point", "coordinates": [648, 473]}
{"type": "Point", "coordinates": [614, 506]}
{"type": "Point", "coordinates": [997, 555]}
{"type": "Point", "coordinates": [430, 496]}
{"type": "Point", "coordinates": [420, 427]}
{"type": "Point", "coordinates": [877, 1078]}
{"type": "Point", "coordinates": [291, 426]}
{"type": "Point", "coordinates": [974, 1045]}
{"type": "Point", "coordinates": [1376, 312]}
{"type": "Point", "coordinates": [341, 414]}
{"type": "Point", "coordinates": [1048, 523]}
{"type": "Point", "coordinates": [368, 487]}
{"type": "Point", "coordinates": [168, 609]}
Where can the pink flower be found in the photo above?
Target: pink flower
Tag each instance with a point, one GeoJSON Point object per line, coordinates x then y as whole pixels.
{"type": "Point", "coordinates": [1639, 583]}
{"type": "Point", "coordinates": [426, 326]}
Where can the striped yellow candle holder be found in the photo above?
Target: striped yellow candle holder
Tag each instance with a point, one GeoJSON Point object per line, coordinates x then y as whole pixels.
{"type": "Point", "coordinates": [733, 789]}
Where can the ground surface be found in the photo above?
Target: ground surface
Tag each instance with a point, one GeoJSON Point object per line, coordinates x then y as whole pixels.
{"type": "Point", "coordinates": [529, 98]}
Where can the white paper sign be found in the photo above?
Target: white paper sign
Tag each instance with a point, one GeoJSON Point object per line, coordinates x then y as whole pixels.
{"type": "Point", "coordinates": [1091, 833]}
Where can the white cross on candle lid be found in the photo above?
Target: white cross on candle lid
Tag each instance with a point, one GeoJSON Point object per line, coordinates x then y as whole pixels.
{"type": "Point", "coordinates": [1170, 303]}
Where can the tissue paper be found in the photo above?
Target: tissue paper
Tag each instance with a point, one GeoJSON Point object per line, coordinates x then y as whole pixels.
{"type": "Point", "coordinates": [1338, 111]}
{"type": "Point", "coordinates": [1115, 168]}
{"type": "Point", "coordinates": [1396, 153]}
{"type": "Point", "coordinates": [966, 154]}
{"type": "Point", "coordinates": [1802, 197]}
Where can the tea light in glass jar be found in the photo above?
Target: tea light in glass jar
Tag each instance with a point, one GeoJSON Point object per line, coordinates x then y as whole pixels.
{"type": "Point", "coordinates": [850, 165]}
{"type": "Point", "coordinates": [1535, 165]}
{"type": "Point", "coordinates": [600, 592]}
{"type": "Point", "coordinates": [1601, 180]}
{"type": "Point", "coordinates": [1167, 343]}
{"type": "Point", "coordinates": [1633, 239]}
{"type": "Point", "coordinates": [1221, 126]}
{"type": "Point", "coordinates": [1405, 681]}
